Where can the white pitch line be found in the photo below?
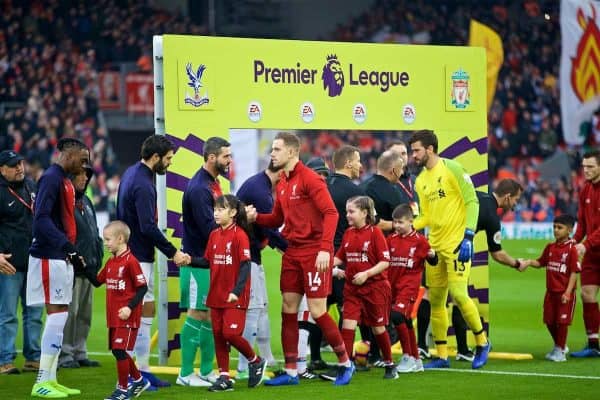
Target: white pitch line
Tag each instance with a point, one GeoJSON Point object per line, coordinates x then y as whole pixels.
{"type": "Point", "coordinates": [104, 353]}
{"type": "Point", "coordinates": [516, 373]}
{"type": "Point", "coordinates": [467, 371]}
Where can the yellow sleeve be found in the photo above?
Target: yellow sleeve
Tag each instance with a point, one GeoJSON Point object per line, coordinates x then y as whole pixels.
{"type": "Point", "coordinates": [467, 190]}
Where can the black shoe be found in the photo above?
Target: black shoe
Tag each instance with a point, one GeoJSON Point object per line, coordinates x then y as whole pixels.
{"type": "Point", "coordinates": [465, 356]}
{"type": "Point", "coordinates": [256, 372]}
{"type": "Point", "coordinates": [69, 364]}
{"type": "Point", "coordinates": [318, 364]}
{"type": "Point", "coordinates": [362, 368]}
{"type": "Point", "coordinates": [390, 372]}
{"type": "Point", "coordinates": [222, 384]}
{"type": "Point", "coordinates": [307, 375]}
{"type": "Point", "coordinates": [86, 362]}
{"type": "Point", "coordinates": [377, 363]}
{"type": "Point", "coordinates": [424, 353]}
{"type": "Point", "coordinates": [329, 375]}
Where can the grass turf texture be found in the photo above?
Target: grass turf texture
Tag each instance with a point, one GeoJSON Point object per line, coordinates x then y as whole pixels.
{"type": "Point", "coordinates": [516, 301]}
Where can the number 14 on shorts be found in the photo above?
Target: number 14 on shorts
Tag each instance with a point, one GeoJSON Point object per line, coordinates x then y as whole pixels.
{"type": "Point", "coordinates": [314, 281]}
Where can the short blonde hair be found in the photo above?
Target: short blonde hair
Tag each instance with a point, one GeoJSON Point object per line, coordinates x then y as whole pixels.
{"type": "Point", "coordinates": [120, 228]}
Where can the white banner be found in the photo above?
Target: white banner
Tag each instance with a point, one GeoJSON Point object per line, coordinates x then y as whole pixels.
{"type": "Point", "coordinates": [527, 230]}
{"type": "Point", "coordinates": [579, 65]}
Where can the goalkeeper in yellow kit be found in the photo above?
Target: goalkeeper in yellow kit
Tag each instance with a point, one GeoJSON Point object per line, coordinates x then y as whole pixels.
{"type": "Point", "coordinates": [449, 207]}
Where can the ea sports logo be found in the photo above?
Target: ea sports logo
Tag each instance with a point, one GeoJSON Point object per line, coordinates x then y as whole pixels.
{"type": "Point", "coordinates": [254, 111]}
{"type": "Point", "coordinates": [307, 112]}
{"type": "Point", "coordinates": [359, 113]}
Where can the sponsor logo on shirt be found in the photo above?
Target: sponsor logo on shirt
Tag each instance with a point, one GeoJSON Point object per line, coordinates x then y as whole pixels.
{"type": "Point", "coordinates": [563, 268]}
{"type": "Point", "coordinates": [116, 284]}
{"type": "Point", "coordinates": [222, 259]}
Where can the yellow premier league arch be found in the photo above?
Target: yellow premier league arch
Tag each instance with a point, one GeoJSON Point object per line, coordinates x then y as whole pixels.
{"type": "Point", "coordinates": [206, 86]}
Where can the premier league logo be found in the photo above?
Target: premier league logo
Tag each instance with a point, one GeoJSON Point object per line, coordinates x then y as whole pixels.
{"type": "Point", "coordinates": [195, 83]}
{"type": "Point", "coordinates": [333, 76]}
{"type": "Point", "coordinates": [461, 97]}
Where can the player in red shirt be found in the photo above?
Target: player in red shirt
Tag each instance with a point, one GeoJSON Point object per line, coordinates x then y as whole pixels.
{"type": "Point", "coordinates": [408, 252]}
{"type": "Point", "coordinates": [562, 266]}
{"type": "Point", "coordinates": [125, 290]}
{"type": "Point", "coordinates": [228, 257]}
{"type": "Point", "coordinates": [367, 292]}
{"type": "Point", "coordinates": [588, 227]}
{"type": "Point", "coordinates": [305, 209]}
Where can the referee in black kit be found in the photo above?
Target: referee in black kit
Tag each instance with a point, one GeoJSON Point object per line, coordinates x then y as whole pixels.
{"type": "Point", "coordinates": [506, 196]}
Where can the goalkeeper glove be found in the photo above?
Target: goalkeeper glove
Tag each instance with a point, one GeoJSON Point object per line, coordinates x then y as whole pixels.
{"type": "Point", "coordinates": [465, 248]}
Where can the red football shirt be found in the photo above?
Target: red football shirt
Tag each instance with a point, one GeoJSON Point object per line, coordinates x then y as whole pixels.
{"type": "Point", "coordinates": [407, 255]}
{"type": "Point", "coordinates": [560, 260]}
{"type": "Point", "coordinates": [122, 276]}
{"type": "Point", "coordinates": [305, 208]}
{"type": "Point", "coordinates": [225, 251]}
{"type": "Point", "coordinates": [67, 210]}
{"type": "Point", "coordinates": [588, 217]}
{"type": "Point", "coordinates": [361, 249]}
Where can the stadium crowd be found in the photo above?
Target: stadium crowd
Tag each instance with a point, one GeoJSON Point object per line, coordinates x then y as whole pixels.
{"type": "Point", "coordinates": [51, 118]}
{"type": "Point", "coordinates": [51, 53]}
{"type": "Point", "coordinates": [524, 126]}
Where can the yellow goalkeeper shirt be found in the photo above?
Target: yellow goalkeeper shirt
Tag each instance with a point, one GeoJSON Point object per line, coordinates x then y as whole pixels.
{"type": "Point", "coordinates": [448, 204]}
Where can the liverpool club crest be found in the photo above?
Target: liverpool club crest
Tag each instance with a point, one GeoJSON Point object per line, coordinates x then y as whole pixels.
{"type": "Point", "coordinates": [461, 96]}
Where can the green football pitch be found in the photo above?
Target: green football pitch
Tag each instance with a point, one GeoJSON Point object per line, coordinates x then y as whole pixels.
{"type": "Point", "coordinates": [516, 326]}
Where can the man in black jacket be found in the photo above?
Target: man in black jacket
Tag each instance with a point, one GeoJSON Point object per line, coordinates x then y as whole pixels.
{"type": "Point", "coordinates": [89, 245]}
{"type": "Point", "coordinates": [341, 186]}
{"type": "Point", "coordinates": [16, 216]}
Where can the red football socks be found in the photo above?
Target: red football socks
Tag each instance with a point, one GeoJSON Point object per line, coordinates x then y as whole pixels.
{"type": "Point", "coordinates": [348, 337]}
{"type": "Point", "coordinates": [383, 340]}
{"type": "Point", "coordinates": [591, 319]}
{"type": "Point", "coordinates": [242, 346]}
{"type": "Point", "coordinates": [289, 339]}
{"type": "Point", "coordinates": [403, 336]}
{"type": "Point", "coordinates": [333, 336]}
